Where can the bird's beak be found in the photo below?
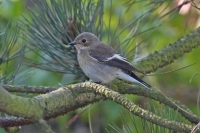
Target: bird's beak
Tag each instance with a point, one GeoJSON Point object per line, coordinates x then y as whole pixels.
{"type": "Point", "coordinates": [72, 43]}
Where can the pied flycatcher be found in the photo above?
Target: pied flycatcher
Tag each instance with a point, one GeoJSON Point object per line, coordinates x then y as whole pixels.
{"type": "Point", "coordinates": [101, 63]}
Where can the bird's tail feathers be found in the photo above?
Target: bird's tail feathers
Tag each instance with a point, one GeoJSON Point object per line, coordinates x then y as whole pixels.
{"type": "Point", "coordinates": [130, 76]}
{"type": "Point", "coordinates": [139, 80]}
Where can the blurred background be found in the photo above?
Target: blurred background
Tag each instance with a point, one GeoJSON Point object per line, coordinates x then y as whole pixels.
{"type": "Point", "coordinates": [167, 27]}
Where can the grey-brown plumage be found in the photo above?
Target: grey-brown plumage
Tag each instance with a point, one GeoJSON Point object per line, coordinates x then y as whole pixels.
{"type": "Point", "coordinates": [101, 63]}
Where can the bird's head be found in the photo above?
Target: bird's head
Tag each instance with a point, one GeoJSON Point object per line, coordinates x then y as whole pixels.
{"type": "Point", "coordinates": [85, 40]}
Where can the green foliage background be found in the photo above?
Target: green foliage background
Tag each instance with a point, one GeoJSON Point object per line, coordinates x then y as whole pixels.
{"type": "Point", "coordinates": [169, 29]}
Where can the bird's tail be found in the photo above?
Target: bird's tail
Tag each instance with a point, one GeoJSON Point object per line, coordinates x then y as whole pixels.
{"type": "Point", "coordinates": [140, 81]}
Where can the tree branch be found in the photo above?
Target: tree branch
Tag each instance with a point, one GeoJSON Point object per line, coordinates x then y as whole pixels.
{"type": "Point", "coordinates": [19, 106]}
{"type": "Point", "coordinates": [120, 87]}
{"type": "Point", "coordinates": [168, 54]}
{"type": "Point", "coordinates": [75, 96]}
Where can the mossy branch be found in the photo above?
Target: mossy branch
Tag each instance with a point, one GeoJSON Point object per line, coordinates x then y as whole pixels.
{"type": "Point", "coordinates": [116, 97]}
{"type": "Point", "coordinates": [69, 98]}
{"type": "Point", "coordinates": [120, 87]}
{"type": "Point", "coordinates": [168, 54]}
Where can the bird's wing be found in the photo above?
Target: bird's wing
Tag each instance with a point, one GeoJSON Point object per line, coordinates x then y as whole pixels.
{"type": "Point", "coordinates": [108, 56]}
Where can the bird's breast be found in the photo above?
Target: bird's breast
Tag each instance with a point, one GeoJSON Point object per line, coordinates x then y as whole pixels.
{"type": "Point", "coordinates": [95, 70]}
{"type": "Point", "coordinates": [86, 63]}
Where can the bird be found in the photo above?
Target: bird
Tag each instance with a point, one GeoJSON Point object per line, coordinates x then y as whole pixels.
{"type": "Point", "coordinates": [101, 63]}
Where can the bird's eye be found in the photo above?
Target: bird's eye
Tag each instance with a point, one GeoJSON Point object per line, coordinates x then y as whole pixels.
{"type": "Point", "coordinates": [84, 41]}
